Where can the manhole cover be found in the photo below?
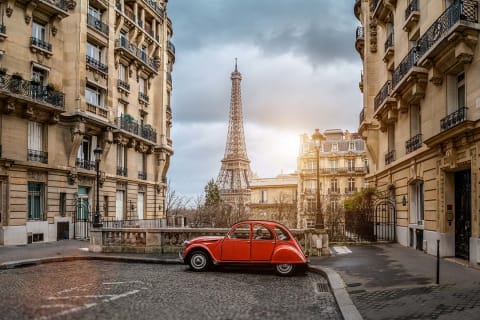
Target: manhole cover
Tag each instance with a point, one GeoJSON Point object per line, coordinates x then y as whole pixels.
{"type": "Point", "coordinates": [322, 287]}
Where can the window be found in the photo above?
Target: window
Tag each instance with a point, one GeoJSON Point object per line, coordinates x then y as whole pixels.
{"type": "Point", "coordinates": [311, 205]}
{"type": "Point", "coordinates": [62, 205]}
{"type": "Point", "coordinates": [351, 146]}
{"type": "Point", "coordinates": [35, 136]}
{"type": "Point", "coordinates": [122, 72]}
{"type": "Point", "coordinates": [94, 95]}
{"type": "Point", "coordinates": [310, 185]}
{"type": "Point", "coordinates": [121, 160]}
{"type": "Point", "coordinates": [35, 201]}
{"type": "Point", "coordinates": [261, 233]}
{"type": "Point", "coordinates": [141, 166]}
{"type": "Point", "coordinates": [365, 164]}
{"type": "Point", "coordinates": [141, 86]}
{"type": "Point", "coordinates": [334, 205]}
{"type": "Point", "coordinates": [281, 233]}
{"type": "Point", "coordinates": [334, 164]}
{"type": "Point", "coordinates": [416, 203]}
{"type": "Point", "coordinates": [85, 155]}
{"type": "Point", "coordinates": [241, 232]}
{"type": "Point", "coordinates": [105, 206]}
{"type": "Point", "coordinates": [38, 31]}
{"type": "Point", "coordinates": [263, 198]}
{"type": "Point", "coordinates": [455, 92]}
{"type": "Point", "coordinates": [391, 138]}
{"type": "Point", "coordinates": [334, 147]}
{"type": "Point", "coordinates": [333, 185]}
{"type": "Point", "coordinates": [95, 13]}
{"type": "Point", "coordinates": [351, 184]}
{"type": "Point", "coordinates": [415, 120]}
{"type": "Point", "coordinates": [351, 164]}
{"type": "Point", "coordinates": [120, 109]}
{"type": "Point", "coordinates": [94, 51]}
{"type": "Point", "coordinates": [39, 75]}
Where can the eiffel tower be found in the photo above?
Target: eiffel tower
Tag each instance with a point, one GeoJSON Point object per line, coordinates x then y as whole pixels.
{"type": "Point", "coordinates": [233, 179]}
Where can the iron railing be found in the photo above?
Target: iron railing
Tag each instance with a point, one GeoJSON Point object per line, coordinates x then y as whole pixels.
{"type": "Point", "coordinates": [350, 190]}
{"type": "Point", "coordinates": [37, 155]}
{"type": "Point", "coordinates": [61, 4]}
{"type": "Point", "coordinates": [155, 7]}
{"type": "Point", "coordinates": [362, 116]}
{"type": "Point", "coordinates": [143, 96]}
{"type": "Point", "coordinates": [110, 222]}
{"type": "Point", "coordinates": [413, 143]}
{"type": "Point", "coordinates": [171, 46]}
{"type": "Point", "coordinates": [382, 95]}
{"type": "Point", "coordinates": [85, 164]}
{"type": "Point", "coordinates": [169, 77]}
{"type": "Point", "coordinates": [97, 24]}
{"type": "Point", "coordinates": [142, 175]}
{"type": "Point", "coordinates": [123, 84]}
{"type": "Point", "coordinates": [333, 190]}
{"type": "Point", "coordinates": [453, 119]}
{"type": "Point", "coordinates": [94, 63]}
{"type": "Point", "coordinates": [412, 6]}
{"type": "Point", "coordinates": [132, 126]}
{"type": "Point", "coordinates": [138, 53]}
{"type": "Point", "coordinates": [404, 66]}
{"type": "Point", "coordinates": [121, 171]}
{"type": "Point", "coordinates": [41, 44]}
{"type": "Point", "coordinates": [38, 92]}
{"type": "Point", "coordinates": [389, 41]}
{"type": "Point", "coordinates": [389, 157]}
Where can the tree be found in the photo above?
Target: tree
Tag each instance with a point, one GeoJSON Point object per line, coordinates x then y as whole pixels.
{"type": "Point", "coordinates": [175, 204]}
{"type": "Point", "coordinates": [212, 194]}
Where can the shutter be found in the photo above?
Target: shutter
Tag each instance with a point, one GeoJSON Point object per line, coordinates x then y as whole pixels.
{"type": "Point", "coordinates": [140, 205]}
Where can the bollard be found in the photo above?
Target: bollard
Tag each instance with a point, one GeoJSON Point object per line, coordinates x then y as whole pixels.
{"type": "Point", "coordinates": [438, 261]}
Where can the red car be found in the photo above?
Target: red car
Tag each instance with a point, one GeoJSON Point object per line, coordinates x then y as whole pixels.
{"type": "Point", "coordinates": [248, 242]}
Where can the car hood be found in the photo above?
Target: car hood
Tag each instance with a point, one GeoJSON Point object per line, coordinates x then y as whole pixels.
{"type": "Point", "coordinates": [206, 239]}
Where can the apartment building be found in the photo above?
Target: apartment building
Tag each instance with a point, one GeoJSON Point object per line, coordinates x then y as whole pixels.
{"type": "Point", "coordinates": [420, 118]}
{"type": "Point", "coordinates": [76, 76]}
{"type": "Point", "coordinates": [342, 166]}
{"type": "Point", "coordinates": [274, 199]}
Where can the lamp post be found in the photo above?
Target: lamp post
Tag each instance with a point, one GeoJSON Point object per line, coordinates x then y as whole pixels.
{"type": "Point", "coordinates": [317, 139]}
{"type": "Point", "coordinates": [97, 223]}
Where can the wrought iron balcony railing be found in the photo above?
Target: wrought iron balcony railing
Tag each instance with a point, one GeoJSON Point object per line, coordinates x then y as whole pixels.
{"type": "Point", "coordinates": [132, 126]}
{"type": "Point", "coordinates": [143, 96]}
{"type": "Point", "coordinates": [404, 66]}
{"type": "Point", "coordinates": [94, 63]}
{"type": "Point", "coordinates": [412, 6]}
{"type": "Point", "coordinates": [389, 42]}
{"type": "Point", "coordinates": [362, 116]}
{"type": "Point", "coordinates": [413, 143]}
{"type": "Point", "coordinates": [121, 171]}
{"type": "Point", "coordinates": [85, 164]}
{"type": "Point", "coordinates": [123, 84]}
{"type": "Point", "coordinates": [41, 44]}
{"type": "Point", "coordinates": [122, 42]}
{"type": "Point", "coordinates": [453, 119]}
{"type": "Point", "coordinates": [333, 190]}
{"type": "Point", "coordinates": [155, 7]}
{"type": "Point", "coordinates": [465, 10]}
{"type": "Point", "coordinates": [171, 46]}
{"type": "Point", "coordinates": [61, 4]}
{"type": "Point", "coordinates": [169, 77]}
{"type": "Point", "coordinates": [142, 175]}
{"type": "Point", "coordinates": [359, 33]}
{"type": "Point", "coordinates": [382, 95]}
{"type": "Point", "coordinates": [389, 157]}
{"type": "Point", "coordinates": [37, 155]}
{"type": "Point", "coordinates": [32, 90]}
{"type": "Point", "coordinates": [97, 24]}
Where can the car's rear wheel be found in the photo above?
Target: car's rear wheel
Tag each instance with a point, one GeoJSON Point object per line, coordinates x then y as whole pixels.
{"type": "Point", "coordinates": [199, 261]}
{"type": "Point", "coordinates": [285, 269]}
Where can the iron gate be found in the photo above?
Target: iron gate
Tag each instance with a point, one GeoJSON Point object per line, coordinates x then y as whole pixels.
{"type": "Point", "coordinates": [82, 221]}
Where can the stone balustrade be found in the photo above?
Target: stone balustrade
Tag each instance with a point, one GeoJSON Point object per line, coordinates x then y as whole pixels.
{"type": "Point", "coordinates": [170, 240]}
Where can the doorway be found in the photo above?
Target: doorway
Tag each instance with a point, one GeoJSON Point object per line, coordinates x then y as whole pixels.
{"type": "Point", "coordinates": [463, 227]}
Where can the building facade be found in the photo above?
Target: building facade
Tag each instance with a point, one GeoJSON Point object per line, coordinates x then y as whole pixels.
{"type": "Point", "coordinates": [342, 168]}
{"type": "Point", "coordinates": [275, 199]}
{"type": "Point", "coordinates": [420, 118]}
{"type": "Point", "coordinates": [76, 75]}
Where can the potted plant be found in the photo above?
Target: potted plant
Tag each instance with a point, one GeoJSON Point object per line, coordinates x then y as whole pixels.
{"type": "Point", "coordinates": [15, 84]}
{"type": "Point", "coordinates": [17, 76]}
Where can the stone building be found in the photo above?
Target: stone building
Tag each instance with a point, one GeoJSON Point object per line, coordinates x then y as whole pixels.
{"type": "Point", "coordinates": [76, 75]}
{"type": "Point", "coordinates": [420, 118]}
{"type": "Point", "coordinates": [275, 199]}
{"type": "Point", "coordinates": [342, 167]}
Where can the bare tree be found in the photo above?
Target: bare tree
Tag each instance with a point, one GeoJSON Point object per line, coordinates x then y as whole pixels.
{"type": "Point", "coordinates": [175, 204]}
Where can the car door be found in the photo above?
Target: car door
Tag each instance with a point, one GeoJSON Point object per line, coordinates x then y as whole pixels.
{"type": "Point", "coordinates": [236, 245]}
{"type": "Point", "coordinates": [263, 243]}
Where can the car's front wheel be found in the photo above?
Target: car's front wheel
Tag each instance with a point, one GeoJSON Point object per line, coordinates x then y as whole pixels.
{"type": "Point", "coordinates": [199, 260]}
{"type": "Point", "coordinates": [285, 269]}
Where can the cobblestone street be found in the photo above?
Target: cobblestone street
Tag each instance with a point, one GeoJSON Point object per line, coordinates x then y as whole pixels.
{"type": "Point", "coordinates": [112, 290]}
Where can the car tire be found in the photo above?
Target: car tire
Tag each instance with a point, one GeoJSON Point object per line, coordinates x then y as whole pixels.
{"type": "Point", "coordinates": [285, 269]}
{"type": "Point", "coordinates": [199, 260]}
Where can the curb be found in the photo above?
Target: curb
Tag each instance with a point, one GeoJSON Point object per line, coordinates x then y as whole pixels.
{"type": "Point", "coordinates": [347, 308]}
{"type": "Point", "coordinates": [34, 262]}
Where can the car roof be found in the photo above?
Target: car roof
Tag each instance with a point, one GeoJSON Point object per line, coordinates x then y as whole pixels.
{"type": "Point", "coordinates": [267, 222]}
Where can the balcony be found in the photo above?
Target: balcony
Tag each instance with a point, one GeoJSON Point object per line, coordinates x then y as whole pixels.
{"type": "Point", "coordinates": [412, 15]}
{"type": "Point", "coordinates": [360, 40]}
{"type": "Point", "coordinates": [121, 171]}
{"type": "Point", "coordinates": [171, 49]}
{"type": "Point", "coordinates": [48, 97]}
{"type": "Point", "coordinates": [413, 143]}
{"type": "Point", "coordinates": [143, 98]}
{"type": "Point", "coordinates": [385, 107]}
{"type": "Point", "coordinates": [169, 78]}
{"type": "Point", "coordinates": [142, 175]}
{"type": "Point", "coordinates": [450, 40]}
{"type": "Point", "coordinates": [389, 49]}
{"type": "Point", "coordinates": [132, 52]}
{"type": "Point", "coordinates": [52, 8]}
{"type": "Point", "coordinates": [389, 157]}
{"type": "Point", "coordinates": [85, 164]}
{"type": "Point", "coordinates": [333, 190]}
{"type": "Point", "coordinates": [97, 110]}
{"type": "Point", "coordinates": [123, 85]}
{"type": "Point", "coordinates": [362, 117]}
{"type": "Point", "coordinates": [381, 9]}
{"type": "Point", "coordinates": [97, 65]}
{"type": "Point", "coordinates": [37, 155]}
{"type": "Point", "coordinates": [350, 190]}
{"type": "Point", "coordinates": [452, 127]}
{"type": "Point", "coordinates": [97, 25]}
{"type": "Point", "coordinates": [453, 119]}
{"type": "Point", "coordinates": [144, 131]}
{"type": "Point", "coordinates": [3, 32]}
{"type": "Point", "coordinates": [41, 46]}
{"type": "Point", "coordinates": [157, 9]}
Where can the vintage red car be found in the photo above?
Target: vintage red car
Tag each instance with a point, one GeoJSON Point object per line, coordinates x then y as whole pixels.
{"type": "Point", "coordinates": [248, 242]}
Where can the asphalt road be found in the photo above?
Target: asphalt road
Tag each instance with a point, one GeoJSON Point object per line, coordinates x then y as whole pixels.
{"type": "Point", "coordinates": [113, 290]}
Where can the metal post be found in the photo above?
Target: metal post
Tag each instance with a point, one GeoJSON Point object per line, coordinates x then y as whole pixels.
{"type": "Point", "coordinates": [438, 262]}
{"type": "Point", "coordinates": [96, 219]}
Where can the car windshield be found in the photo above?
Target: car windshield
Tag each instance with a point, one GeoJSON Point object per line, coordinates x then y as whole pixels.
{"type": "Point", "coordinates": [281, 233]}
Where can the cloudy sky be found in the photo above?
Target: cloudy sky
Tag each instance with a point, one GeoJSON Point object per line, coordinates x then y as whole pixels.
{"type": "Point", "coordinates": [300, 72]}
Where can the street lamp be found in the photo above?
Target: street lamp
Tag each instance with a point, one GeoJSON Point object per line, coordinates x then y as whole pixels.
{"type": "Point", "coordinates": [97, 223]}
{"type": "Point", "coordinates": [317, 139]}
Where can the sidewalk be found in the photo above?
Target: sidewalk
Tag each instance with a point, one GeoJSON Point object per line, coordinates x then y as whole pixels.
{"type": "Point", "coordinates": [394, 282]}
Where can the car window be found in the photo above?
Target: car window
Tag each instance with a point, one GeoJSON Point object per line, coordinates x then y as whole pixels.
{"type": "Point", "coordinates": [241, 232]}
{"type": "Point", "coordinates": [281, 234]}
{"type": "Point", "coordinates": [261, 233]}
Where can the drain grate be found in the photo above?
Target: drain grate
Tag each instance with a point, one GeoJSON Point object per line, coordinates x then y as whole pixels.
{"type": "Point", "coordinates": [322, 287]}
